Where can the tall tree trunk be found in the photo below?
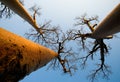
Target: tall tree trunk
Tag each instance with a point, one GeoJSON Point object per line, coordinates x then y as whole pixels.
{"type": "Point", "coordinates": [19, 9]}
{"type": "Point", "coordinates": [19, 56]}
{"type": "Point", "coordinates": [110, 25]}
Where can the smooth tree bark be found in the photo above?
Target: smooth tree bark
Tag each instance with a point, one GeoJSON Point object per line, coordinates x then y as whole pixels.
{"type": "Point", "coordinates": [19, 56]}
{"type": "Point", "coordinates": [110, 25]}
{"type": "Point", "coordinates": [19, 9]}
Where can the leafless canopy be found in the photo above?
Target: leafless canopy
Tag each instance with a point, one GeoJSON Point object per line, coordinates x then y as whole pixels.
{"type": "Point", "coordinates": [69, 58]}
{"type": "Point", "coordinates": [70, 44]}
{"type": "Point", "coordinates": [6, 11]}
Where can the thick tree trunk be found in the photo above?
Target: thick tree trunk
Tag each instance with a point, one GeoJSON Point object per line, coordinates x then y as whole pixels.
{"type": "Point", "coordinates": [110, 25]}
{"type": "Point", "coordinates": [19, 9]}
{"type": "Point", "coordinates": [19, 56]}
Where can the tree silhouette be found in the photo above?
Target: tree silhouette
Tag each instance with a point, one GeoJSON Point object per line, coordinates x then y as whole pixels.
{"type": "Point", "coordinates": [68, 58]}
{"type": "Point", "coordinates": [61, 42]}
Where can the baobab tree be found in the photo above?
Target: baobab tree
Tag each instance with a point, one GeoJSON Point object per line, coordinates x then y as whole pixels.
{"type": "Point", "coordinates": [18, 8]}
{"type": "Point", "coordinates": [54, 38]}
{"type": "Point", "coordinates": [14, 49]}
{"type": "Point", "coordinates": [19, 56]}
{"type": "Point", "coordinates": [110, 25]}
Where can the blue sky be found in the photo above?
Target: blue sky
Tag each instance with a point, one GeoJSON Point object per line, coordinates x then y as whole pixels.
{"type": "Point", "coordinates": [63, 13]}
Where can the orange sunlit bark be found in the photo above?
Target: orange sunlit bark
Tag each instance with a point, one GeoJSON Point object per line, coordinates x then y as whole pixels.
{"type": "Point", "coordinates": [19, 56]}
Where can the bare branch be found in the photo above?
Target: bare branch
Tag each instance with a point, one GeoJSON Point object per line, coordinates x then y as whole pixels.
{"type": "Point", "coordinates": [60, 41]}
{"type": "Point", "coordinates": [98, 45]}
{"type": "Point", "coordinates": [5, 11]}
